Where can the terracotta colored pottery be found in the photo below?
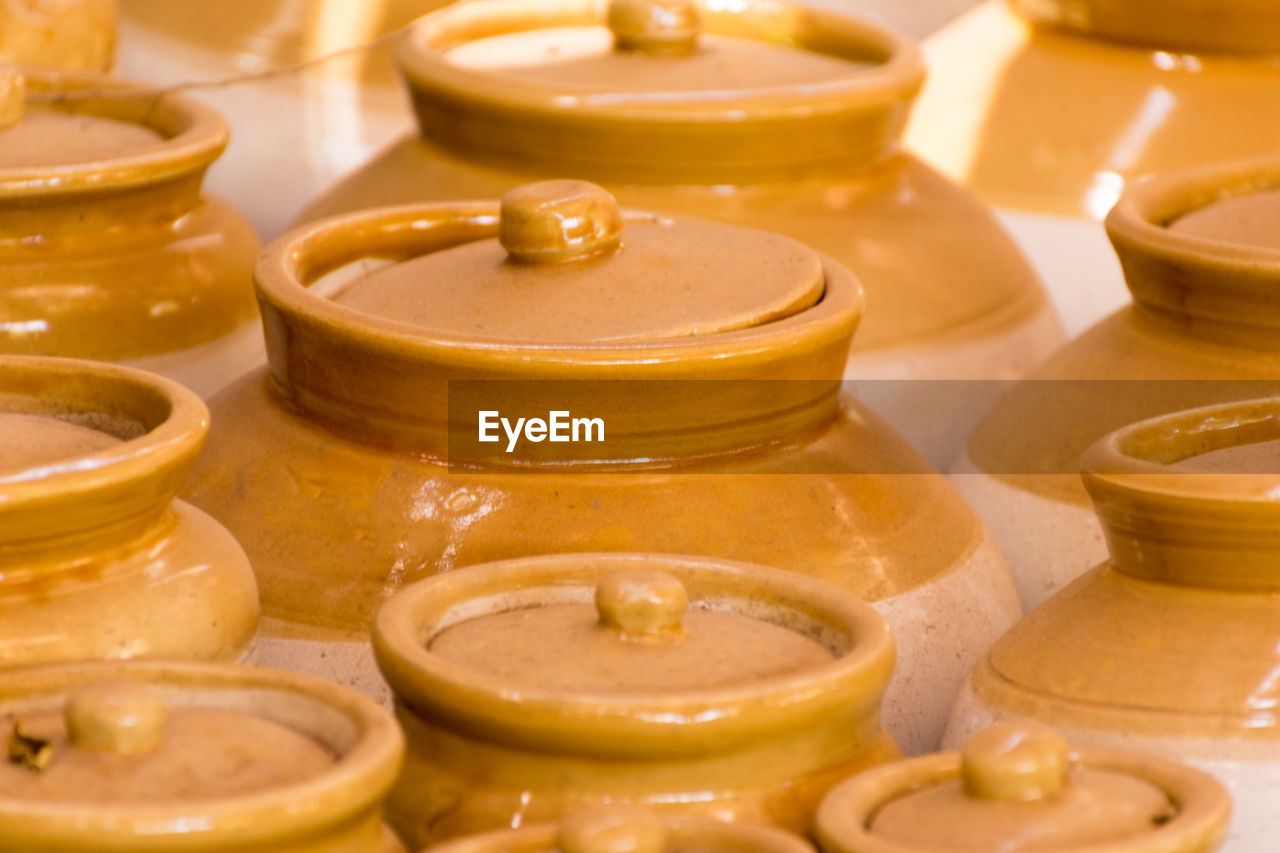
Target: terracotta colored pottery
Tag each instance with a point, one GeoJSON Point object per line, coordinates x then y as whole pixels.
{"type": "Point", "coordinates": [97, 559]}
{"type": "Point", "coordinates": [1170, 646]}
{"type": "Point", "coordinates": [608, 830]}
{"type": "Point", "coordinates": [711, 353]}
{"type": "Point", "coordinates": [1017, 786]}
{"type": "Point", "coordinates": [1203, 264]}
{"type": "Point", "coordinates": [108, 249]}
{"type": "Point", "coordinates": [530, 689]}
{"type": "Point", "coordinates": [67, 35]}
{"type": "Point", "coordinates": [192, 757]}
{"type": "Point", "coordinates": [1050, 108]}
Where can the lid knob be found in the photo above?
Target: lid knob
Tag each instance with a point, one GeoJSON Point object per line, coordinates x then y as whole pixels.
{"type": "Point", "coordinates": [558, 221]}
{"type": "Point", "coordinates": [655, 26]}
{"type": "Point", "coordinates": [13, 96]}
{"type": "Point", "coordinates": [1014, 761]}
{"type": "Point", "coordinates": [642, 604]}
{"type": "Point", "coordinates": [612, 830]}
{"type": "Point", "coordinates": [125, 717]}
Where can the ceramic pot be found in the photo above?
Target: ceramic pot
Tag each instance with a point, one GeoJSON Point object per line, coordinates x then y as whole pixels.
{"type": "Point", "coordinates": [192, 757]}
{"type": "Point", "coordinates": [99, 559]}
{"type": "Point", "coordinates": [1202, 264]}
{"type": "Point", "coordinates": [108, 248]}
{"type": "Point", "coordinates": [529, 689]}
{"type": "Point", "coordinates": [712, 356]}
{"type": "Point", "coordinates": [66, 35]}
{"type": "Point", "coordinates": [614, 828]}
{"type": "Point", "coordinates": [769, 115]}
{"type": "Point", "coordinates": [1018, 787]}
{"type": "Point", "coordinates": [1169, 646]}
{"type": "Point", "coordinates": [1050, 108]}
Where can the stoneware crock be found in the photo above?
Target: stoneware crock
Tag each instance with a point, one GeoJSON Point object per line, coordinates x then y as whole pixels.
{"type": "Point", "coordinates": [1050, 108]}
{"type": "Point", "coordinates": [97, 559]}
{"type": "Point", "coordinates": [1170, 645]}
{"type": "Point", "coordinates": [108, 249]}
{"type": "Point", "coordinates": [529, 689]}
{"type": "Point", "coordinates": [619, 829]}
{"type": "Point", "coordinates": [66, 35]}
{"type": "Point", "coordinates": [1202, 261]}
{"type": "Point", "coordinates": [712, 356]}
{"type": "Point", "coordinates": [1019, 787]}
{"type": "Point", "coordinates": [215, 758]}
{"type": "Point", "coordinates": [765, 114]}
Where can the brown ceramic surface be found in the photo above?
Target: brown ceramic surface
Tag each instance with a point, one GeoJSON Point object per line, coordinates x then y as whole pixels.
{"type": "Point", "coordinates": [34, 442]}
{"type": "Point", "coordinates": [67, 35]}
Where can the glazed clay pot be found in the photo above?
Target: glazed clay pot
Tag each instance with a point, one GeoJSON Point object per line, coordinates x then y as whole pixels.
{"type": "Point", "coordinates": [1202, 263]}
{"type": "Point", "coordinates": [99, 560]}
{"type": "Point", "coordinates": [1170, 646]}
{"type": "Point", "coordinates": [1017, 786]}
{"type": "Point", "coordinates": [1050, 108]}
{"type": "Point", "coordinates": [109, 250]}
{"type": "Point", "coordinates": [712, 355]}
{"type": "Point", "coordinates": [66, 35]}
{"type": "Point", "coordinates": [610, 829]}
{"type": "Point", "coordinates": [192, 757]}
{"type": "Point", "coordinates": [530, 689]}
{"type": "Point", "coordinates": [772, 116]}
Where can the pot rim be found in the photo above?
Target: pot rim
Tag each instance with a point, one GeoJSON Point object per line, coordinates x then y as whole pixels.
{"type": "Point", "coordinates": [1240, 27]}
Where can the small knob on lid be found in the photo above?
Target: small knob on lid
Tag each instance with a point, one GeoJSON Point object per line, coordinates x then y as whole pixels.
{"type": "Point", "coordinates": [13, 96]}
{"type": "Point", "coordinates": [642, 604]}
{"type": "Point", "coordinates": [612, 830]}
{"type": "Point", "coordinates": [655, 26]}
{"type": "Point", "coordinates": [125, 717]}
{"type": "Point", "coordinates": [558, 221]}
{"type": "Point", "coordinates": [1015, 762]}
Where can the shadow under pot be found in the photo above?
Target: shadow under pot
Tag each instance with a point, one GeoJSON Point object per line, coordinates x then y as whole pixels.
{"type": "Point", "coordinates": [108, 248]}
{"type": "Point", "coordinates": [1018, 787]}
{"type": "Point", "coordinates": [99, 560]}
{"type": "Point", "coordinates": [704, 361]}
{"type": "Point", "coordinates": [1202, 260]}
{"type": "Point", "coordinates": [1171, 646]}
{"type": "Point", "coordinates": [531, 689]}
{"type": "Point", "coordinates": [199, 758]}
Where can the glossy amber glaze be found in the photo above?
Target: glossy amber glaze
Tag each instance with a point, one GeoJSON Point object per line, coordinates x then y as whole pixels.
{"type": "Point", "coordinates": [123, 719]}
{"type": "Point", "coordinates": [115, 254]}
{"type": "Point", "coordinates": [99, 560]}
{"type": "Point", "coordinates": [1202, 329]}
{"type": "Point", "coordinates": [349, 430]}
{"type": "Point", "coordinates": [66, 35]}
{"type": "Point", "coordinates": [817, 160]}
{"type": "Point", "coordinates": [486, 752]}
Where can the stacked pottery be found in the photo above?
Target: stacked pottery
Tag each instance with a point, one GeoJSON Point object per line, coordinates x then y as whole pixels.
{"type": "Point", "coordinates": [62, 35]}
{"type": "Point", "coordinates": [107, 246]}
{"type": "Point", "coordinates": [532, 689]}
{"type": "Point", "coordinates": [1050, 108]}
{"type": "Point", "coordinates": [1170, 646]}
{"type": "Point", "coordinates": [1202, 260]}
{"type": "Point", "coordinates": [710, 354]}
{"type": "Point", "coordinates": [99, 560]}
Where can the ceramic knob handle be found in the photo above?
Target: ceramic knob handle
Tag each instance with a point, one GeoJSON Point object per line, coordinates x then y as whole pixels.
{"type": "Point", "coordinates": [13, 96]}
{"type": "Point", "coordinates": [1014, 761]}
{"type": "Point", "coordinates": [655, 26]}
{"type": "Point", "coordinates": [558, 221]}
{"type": "Point", "coordinates": [642, 604]}
{"type": "Point", "coordinates": [124, 717]}
{"type": "Point", "coordinates": [615, 830]}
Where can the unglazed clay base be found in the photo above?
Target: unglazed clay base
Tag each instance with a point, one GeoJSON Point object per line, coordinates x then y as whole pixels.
{"type": "Point", "coordinates": [1249, 769]}
{"type": "Point", "coordinates": [208, 368]}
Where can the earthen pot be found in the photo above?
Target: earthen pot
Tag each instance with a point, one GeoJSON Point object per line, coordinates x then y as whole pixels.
{"type": "Point", "coordinates": [530, 689]}
{"type": "Point", "coordinates": [192, 757]}
{"type": "Point", "coordinates": [1049, 109]}
{"type": "Point", "coordinates": [97, 559]}
{"type": "Point", "coordinates": [712, 356]}
{"type": "Point", "coordinates": [615, 828]}
{"type": "Point", "coordinates": [108, 249]}
{"type": "Point", "coordinates": [1202, 260]}
{"type": "Point", "coordinates": [1019, 787]}
{"type": "Point", "coordinates": [58, 35]}
{"type": "Point", "coordinates": [1170, 645]}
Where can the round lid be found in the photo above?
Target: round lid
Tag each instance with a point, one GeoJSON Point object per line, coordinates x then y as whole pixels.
{"type": "Point", "coordinates": [569, 267]}
{"type": "Point", "coordinates": [1017, 786]}
{"type": "Point", "coordinates": [1252, 219]}
{"type": "Point", "coordinates": [30, 445]}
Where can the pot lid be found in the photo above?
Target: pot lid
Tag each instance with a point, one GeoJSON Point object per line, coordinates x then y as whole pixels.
{"type": "Point", "coordinates": [1251, 219]}
{"type": "Point", "coordinates": [119, 742]}
{"type": "Point", "coordinates": [1017, 786]}
{"type": "Point", "coordinates": [568, 267]}
{"type": "Point", "coordinates": [29, 443]}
